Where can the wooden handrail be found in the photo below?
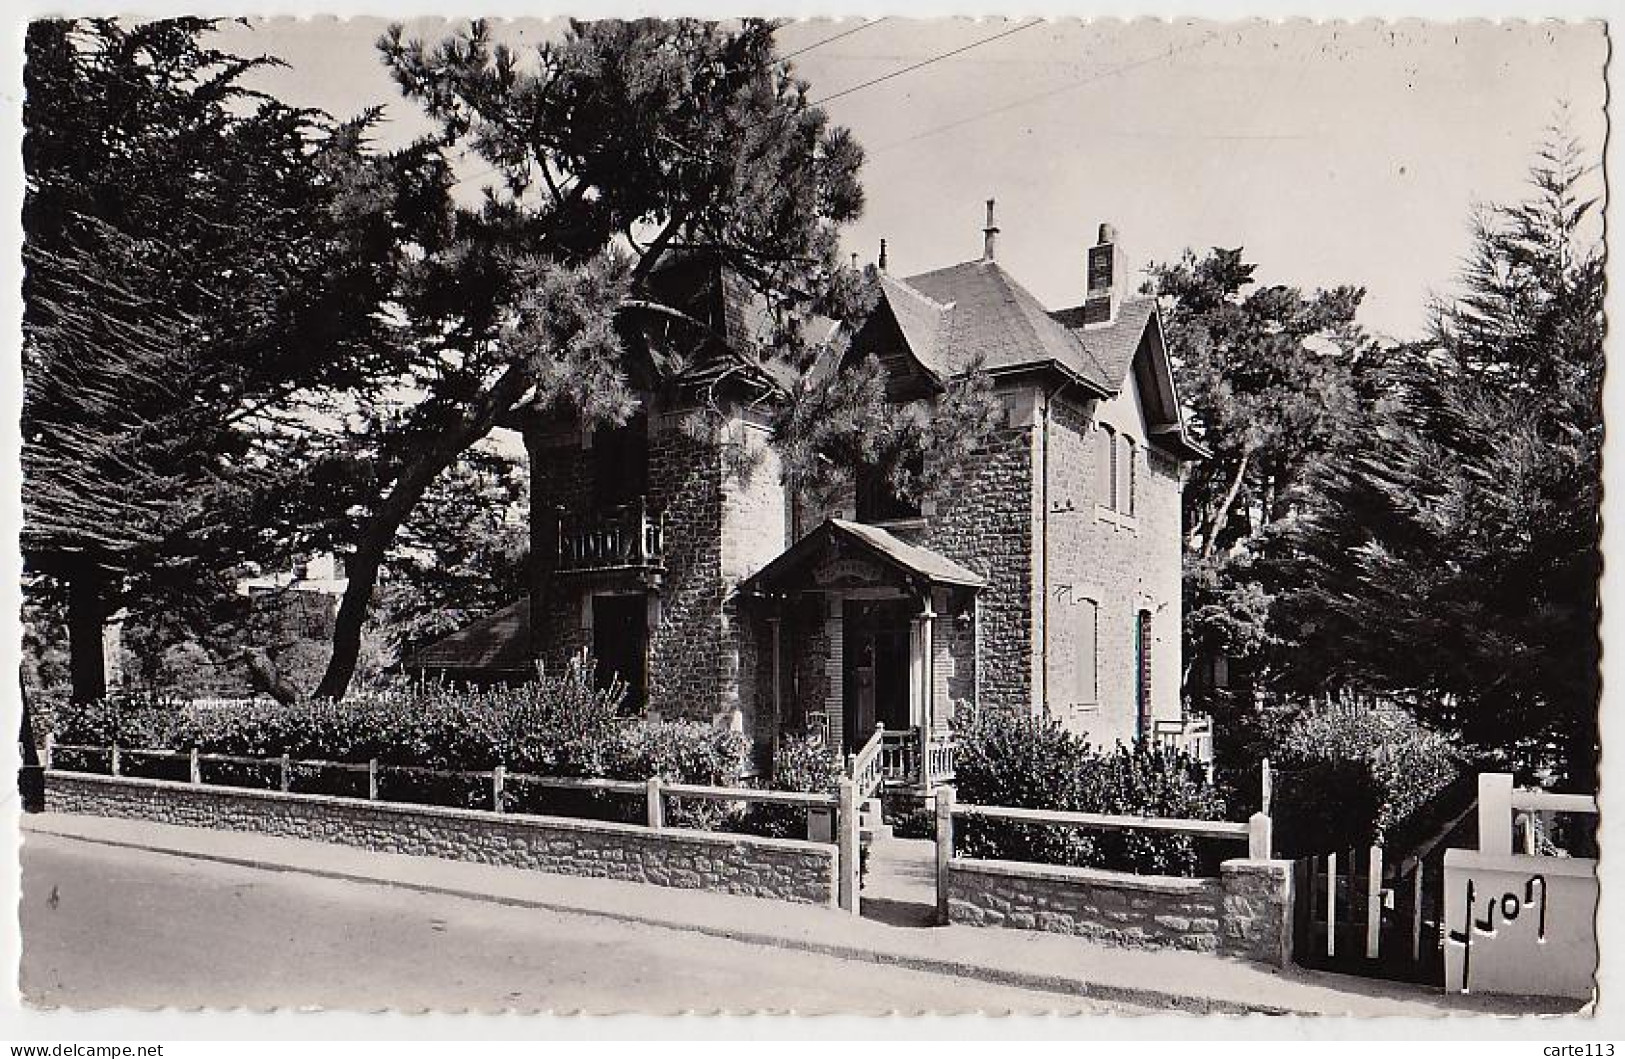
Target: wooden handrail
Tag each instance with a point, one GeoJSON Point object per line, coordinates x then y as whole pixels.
{"type": "Point", "coordinates": [863, 768]}
{"type": "Point", "coordinates": [1223, 829]}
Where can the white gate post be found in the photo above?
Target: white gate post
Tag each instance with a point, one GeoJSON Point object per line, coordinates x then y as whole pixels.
{"type": "Point", "coordinates": [50, 746]}
{"type": "Point", "coordinates": [497, 775]}
{"type": "Point", "coordinates": [945, 847]}
{"type": "Point", "coordinates": [286, 779]}
{"type": "Point", "coordinates": [115, 759]}
{"type": "Point", "coordinates": [1495, 813]}
{"type": "Point", "coordinates": [1258, 837]}
{"type": "Point", "coordinates": [372, 779]}
{"type": "Point", "coordinates": [194, 771]}
{"type": "Point", "coordinates": [846, 855]}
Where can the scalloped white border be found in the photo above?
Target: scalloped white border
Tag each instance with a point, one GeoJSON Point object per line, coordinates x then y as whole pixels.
{"type": "Point", "coordinates": [956, 1035]}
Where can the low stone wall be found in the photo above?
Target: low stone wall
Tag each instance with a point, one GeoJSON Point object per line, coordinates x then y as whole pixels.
{"type": "Point", "coordinates": [1245, 912]}
{"type": "Point", "coordinates": [785, 869]}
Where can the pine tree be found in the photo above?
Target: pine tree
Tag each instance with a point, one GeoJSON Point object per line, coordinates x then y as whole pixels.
{"type": "Point", "coordinates": [616, 150]}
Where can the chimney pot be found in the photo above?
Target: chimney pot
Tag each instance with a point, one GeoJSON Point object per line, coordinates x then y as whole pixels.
{"type": "Point", "coordinates": [1107, 278]}
{"type": "Point", "coordinates": [990, 234]}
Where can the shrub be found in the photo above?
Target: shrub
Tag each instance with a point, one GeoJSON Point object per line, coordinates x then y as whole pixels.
{"type": "Point", "coordinates": [1350, 774]}
{"type": "Point", "coordinates": [558, 724]}
{"type": "Point", "coordinates": [1032, 763]}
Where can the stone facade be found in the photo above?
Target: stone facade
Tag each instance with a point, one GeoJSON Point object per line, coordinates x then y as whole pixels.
{"type": "Point", "coordinates": [1245, 912]}
{"type": "Point", "coordinates": [783, 869]}
{"type": "Point", "coordinates": [1079, 617]}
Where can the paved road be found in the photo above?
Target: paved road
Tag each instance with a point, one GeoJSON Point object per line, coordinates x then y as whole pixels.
{"type": "Point", "coordinates": [107, 926]}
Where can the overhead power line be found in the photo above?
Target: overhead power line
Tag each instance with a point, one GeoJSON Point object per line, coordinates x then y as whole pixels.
{"type": "Point", "coordinates": [1074, 86]}
{"type": "Point", "coordinates": [924, 63]}
{"type": "Point", "coordinates": [831, 40]}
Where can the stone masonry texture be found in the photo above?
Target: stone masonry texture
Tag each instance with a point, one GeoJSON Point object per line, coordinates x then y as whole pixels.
{"type": "Point", "coordinates": [1243, 913]}
{"type": "Point", "coordinates": [784, 869]}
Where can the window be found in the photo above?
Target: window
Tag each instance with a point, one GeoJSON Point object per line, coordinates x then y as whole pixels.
{"type": "Point", "coordinates": [1106, 466]}
{"type": "Point", "coordinates": [620, 460]}
{"type": "Point", "coordinates": [1086, 671]}
{"type": "Point", "coordinates": [877, 501]}
{"type": "Point", "coordinates": [1126, 476]}
{"type": "Point", "coordinates": [1142, 674]}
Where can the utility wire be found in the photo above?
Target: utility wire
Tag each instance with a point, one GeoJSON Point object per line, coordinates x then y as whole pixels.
{"type": "Point", "coordinates": [1074, 86]}
{"type": "Point", "coordinates": [831, 40]}
{"type": "Point", "coordinates": [924, 63]}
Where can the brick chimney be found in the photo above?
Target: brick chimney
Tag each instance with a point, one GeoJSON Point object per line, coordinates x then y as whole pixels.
{"type": "Point", "coordinates": [990, 234]}
{"type": "Point", "coordinates": [1108, 278]}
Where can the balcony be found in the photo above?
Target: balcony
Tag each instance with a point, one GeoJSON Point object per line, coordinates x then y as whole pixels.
{"type": "Point", "coordinates": [626, 537]}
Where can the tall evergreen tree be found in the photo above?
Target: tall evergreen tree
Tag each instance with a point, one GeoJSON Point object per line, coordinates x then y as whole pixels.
{"type": "Point", "coordinates": [195, 258]}
{"type": "Point", "coordinates": [1453, 560]}
{"type": "Point", "coordinates": [1272, 376]}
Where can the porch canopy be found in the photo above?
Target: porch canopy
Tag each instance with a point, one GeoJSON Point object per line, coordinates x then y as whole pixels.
{"type": "Point", "coordinates": [841, 554]}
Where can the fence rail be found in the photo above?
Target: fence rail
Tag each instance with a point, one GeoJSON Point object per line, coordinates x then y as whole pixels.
{"type": "Point", "coordinates": [1221, 829]}
{"type": "Point", "coordinates": [499, 776]}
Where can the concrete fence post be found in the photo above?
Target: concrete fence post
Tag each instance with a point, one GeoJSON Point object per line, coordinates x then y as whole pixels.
{"type": "Point", "coordinates": [498, 775]}
{"type": "Point", "coordinates": [1266, 787]}
{"type": "Point", "coordinates": [372, 779]}
{"type": "Point", "coordinates": [115, 765]}
{"type": "Point", "coordinates": [1495, 813]}
{"type": "Point", "coordinates": [847, 839]}
{"type": "Point", "coordinates": [945, 847]}
{"type": "Point", "coordinates": [50, 746]}
{"type": "Point", "coordinates": [657, 807]}
{"type": "Point", "coordinates": [286, 778]}
{"type": "Point", "coordinates": [194, 770]}
{"type": "Point", "coordinates": [1258, 837]}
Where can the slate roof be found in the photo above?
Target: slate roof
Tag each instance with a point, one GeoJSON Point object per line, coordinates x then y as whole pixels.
{"type": "Point", "coordinates": [498, 642]}
{"type": "Point", "coordinates": [881, 545]}
{"type": "Point", "coordinates": [996, 319]}
{"type": "Point", "coordinates": [1113, 345]}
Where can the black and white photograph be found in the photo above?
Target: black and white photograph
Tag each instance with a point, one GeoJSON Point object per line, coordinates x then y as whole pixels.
{"type": "Point", "coordinates": [858, 517]}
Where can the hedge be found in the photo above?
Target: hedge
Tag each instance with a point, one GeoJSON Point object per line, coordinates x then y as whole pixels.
{"type": "Point", "coordinates": [1033, 763]}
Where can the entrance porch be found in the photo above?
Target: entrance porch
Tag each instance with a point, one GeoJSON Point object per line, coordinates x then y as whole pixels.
{"type": "Point", "coordinates": [871, 648]}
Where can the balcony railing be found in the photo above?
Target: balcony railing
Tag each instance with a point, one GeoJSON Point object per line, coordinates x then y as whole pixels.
{"type": "Point", "coordinates": [617, 537]}
{"type": "Point", "coordinates": [1193, 735]}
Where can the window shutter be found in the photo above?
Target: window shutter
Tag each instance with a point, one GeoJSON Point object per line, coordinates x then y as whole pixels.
{"type": "Point", "coordinates": [1086, 691]}
{"type": "Point", "coordinates": [1106, 466]}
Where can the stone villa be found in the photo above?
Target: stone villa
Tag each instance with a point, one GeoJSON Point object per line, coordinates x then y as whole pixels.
{"type": "Point", "coordinates": [1046, 582]}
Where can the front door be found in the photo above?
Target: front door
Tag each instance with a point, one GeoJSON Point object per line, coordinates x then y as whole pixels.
{"type": "Point", "coordinates": [875, 668]}
{"type": "Point", "coordinates": [620, 644]}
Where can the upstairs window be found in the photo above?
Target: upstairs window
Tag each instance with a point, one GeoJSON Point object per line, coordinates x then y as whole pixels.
{"type": "Point", "coordinates": [1106, 466]}
{"type": "Point", "coordinates": [1126, 476]}
{"type": "Point", "coordinates": [620, 459]}
{"type": "Point", "coordinates": [877, 501]}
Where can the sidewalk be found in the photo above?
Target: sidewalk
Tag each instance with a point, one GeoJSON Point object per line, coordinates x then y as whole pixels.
{"type": "Point", "coordinates": [1053, 963]}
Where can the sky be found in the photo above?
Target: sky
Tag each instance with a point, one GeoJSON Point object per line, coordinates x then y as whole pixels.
{"type": "Point", "coordinates": [1334, 153]}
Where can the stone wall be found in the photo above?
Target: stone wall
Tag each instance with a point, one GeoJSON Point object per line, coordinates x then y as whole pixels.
{"type": "Point", "coordinates": [686, 651]}
{"type": "Point", "coordinates": [1245, 912]}
{"type": "Point", "coordinates": [1114, 563]}
{"type": "Point", "coordinates": [984, 521]}
{"type": "Point", "coordinates": [785, 869]}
